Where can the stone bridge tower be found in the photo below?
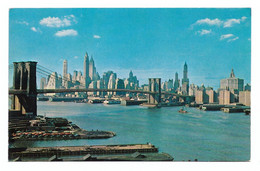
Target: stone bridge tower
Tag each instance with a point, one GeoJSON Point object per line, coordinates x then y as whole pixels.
{"type": "Point", "coordinates": [155, 86]}
{"type": "Point", "coordinates": [24, 78]}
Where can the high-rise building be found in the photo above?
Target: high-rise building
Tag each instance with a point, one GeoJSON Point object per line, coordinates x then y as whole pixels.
{"type": "Point", "coordinates": [111, 83]}
{"type": "Point", "coordinates": [86, 71]}
{"type": "Point", "coordinates": [43, 83]}
{"type": "Point", "coordinates": [245, 97]}
{"type": "Point", "coordinates": [185, 74]}
{"type": "Point", "coordinates": [176, 82]}
{"type": "Point", "coordinates": [247, 87]}
{"type": "Point", "coordinates": [119, 85]}
{"type": "Point", "coordinates": [185, 81]}
{"type": "Point", "coordinates": [225, 97]}
{"type": "Point", "coordinates": [91, 68]}
{"type": "Point", "coordinates": [65, 72]}
{"type": "Point", "coordinates": [232, 83]}
{"type": "Point", "coordinates": [106, 77]}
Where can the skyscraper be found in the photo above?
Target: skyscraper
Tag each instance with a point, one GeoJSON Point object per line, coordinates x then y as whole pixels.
{"type": "Point", "coordinates": [185, 74]}
{"type": "Point", "coordinates": [65, 72]}
{"type": "Point", "coordinates": [86, 71]}
{"type": "Point", "coordinates": [185, 81]}
{"type": "Point", "coordinates": [176, 82]}
{"type": "Point", "coordinates": [232, 83]}
{"type": "Point", "coordinates": [91, 68]}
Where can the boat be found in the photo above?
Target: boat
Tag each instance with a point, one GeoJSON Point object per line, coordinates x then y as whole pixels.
{"type": "Point", "coordinates": [182, 111]}
{"type": "Point", "coordinates": [112, 102]}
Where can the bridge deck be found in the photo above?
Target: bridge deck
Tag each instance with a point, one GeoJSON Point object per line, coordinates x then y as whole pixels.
{"type": "Point", "coordinates": [44, 91]}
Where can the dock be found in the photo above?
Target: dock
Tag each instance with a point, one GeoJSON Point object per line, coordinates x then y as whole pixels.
{"type": "Point", "coordinates": [81, 150]}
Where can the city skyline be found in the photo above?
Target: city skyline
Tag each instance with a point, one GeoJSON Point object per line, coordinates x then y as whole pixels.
{"type": "Point", "coordinates": [212, 43]}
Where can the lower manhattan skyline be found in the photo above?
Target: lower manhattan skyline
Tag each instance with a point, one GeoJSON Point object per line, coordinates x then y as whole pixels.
{"type": "Point", "coordinates": [150, 42]}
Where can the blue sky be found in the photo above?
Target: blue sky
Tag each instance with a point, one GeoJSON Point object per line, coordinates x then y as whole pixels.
{"type": "Point", "coordinates": [151, 42]}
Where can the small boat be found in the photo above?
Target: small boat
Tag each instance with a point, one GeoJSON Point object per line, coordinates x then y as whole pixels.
{"type": "Point", "coordinates": [182, 111]}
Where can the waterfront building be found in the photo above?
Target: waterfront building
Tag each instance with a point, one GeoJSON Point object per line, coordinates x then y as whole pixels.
{"type": "Point", "coordinates": [200, 95]}
{"type": "Point", "coordinates": [192, 89]}
{"type": "Point", "coordinates": [211, 95]}
{"type": "Point", "coordinates": [232, 83]}
{"type": "Point", "coordinates": [43, 83]}
{"type": "Point", "coordinates": [245, 97]}
{"type": "Point", "coordinates": [185, 81]}
{"type": "Point", "coordinates": [225, 97]}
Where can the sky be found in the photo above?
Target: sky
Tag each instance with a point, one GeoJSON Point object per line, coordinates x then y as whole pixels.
{"type": "Point", "coordinates": [151, 42]}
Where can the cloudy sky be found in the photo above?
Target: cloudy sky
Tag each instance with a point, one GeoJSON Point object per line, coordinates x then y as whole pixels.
{"type": "Point", "coordinates": [151, 42]}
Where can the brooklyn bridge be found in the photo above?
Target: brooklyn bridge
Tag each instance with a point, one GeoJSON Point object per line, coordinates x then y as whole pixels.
{"type": "Point", "coordinates": [24, 91]}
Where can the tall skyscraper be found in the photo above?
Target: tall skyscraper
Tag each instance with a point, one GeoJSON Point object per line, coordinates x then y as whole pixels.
{"type": "Point", "coordinates": [86, 71]}
{"type": "Point", "coordinates": [176, 82]}
{"type": "Point", "coordinates": [232, 83]}
{"type": "Point", "coordinates": [65, 72]}
{"type": "Point", "coordinates": [185, 74]}
{"type": "Point", "coordinates": [185, 81]}
{"type": "Point", "coordinates": [91, 68]}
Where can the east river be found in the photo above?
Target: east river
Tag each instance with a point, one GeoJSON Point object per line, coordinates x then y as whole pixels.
{"type": "Point", "coordinates": [202, 135]}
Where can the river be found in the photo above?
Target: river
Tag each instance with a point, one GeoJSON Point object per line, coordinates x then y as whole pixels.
{"type": "Point", "coordinates": [202, 135]}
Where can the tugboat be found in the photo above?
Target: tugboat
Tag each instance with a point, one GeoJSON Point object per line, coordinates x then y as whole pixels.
{"type": "Point", "coordinates": [182, 111]}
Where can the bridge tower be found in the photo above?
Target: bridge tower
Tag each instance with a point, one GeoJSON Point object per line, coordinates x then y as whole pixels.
{"type": "Point", "coordinates": [155, 86]}
{"type": "Point", "coordinates": [24, 78]}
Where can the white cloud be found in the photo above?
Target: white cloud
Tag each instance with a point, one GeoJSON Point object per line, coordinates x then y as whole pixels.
{"type": "Point", "coordinates": [35, 29]}
{"type": "Point", "coordinates": [243, 18]}
{"type": "Point", "coordinates": [58, 22]}
{"type": "Point", "coordinates": [231, 22]}
{"type": "Point", "coordinates": [208, 21]}
{"type": "Point", "coordinates": [217, 22]}
{"type": "Point", "coordinates": [69, 32]}
{"type": "Point", "coordinates": [96, 37]}
{"type": "Point", "coordinates": [22, 22]}
{"type": "Point", "coordinates": [231, 40]}
{"type": "Point", "coordinates": [225, 36]}
{"type": "Point", "coordinates": [203, 32]}
{"type": "Point", "coordinates": [75, 57]}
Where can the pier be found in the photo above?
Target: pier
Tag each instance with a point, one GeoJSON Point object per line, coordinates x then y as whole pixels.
{"type": "Point", "coordinates": [62, 151]}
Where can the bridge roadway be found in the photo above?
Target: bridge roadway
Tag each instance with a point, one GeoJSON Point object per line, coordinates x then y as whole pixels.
{"type": "Point", "coordinates": [44, 91]}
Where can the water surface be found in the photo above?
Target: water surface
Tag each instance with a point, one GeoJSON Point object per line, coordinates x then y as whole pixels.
{"type": "Point", "coordinates": [206, 136]}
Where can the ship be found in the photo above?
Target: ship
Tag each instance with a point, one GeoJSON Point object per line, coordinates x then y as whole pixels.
{"type": "Point", "coordinates": [112, 102]}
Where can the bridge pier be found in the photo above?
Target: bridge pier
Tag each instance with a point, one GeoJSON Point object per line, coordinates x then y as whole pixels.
{"type": "Point", "coordinates": [155, 86]}
{"type": "Point", "coordinates": [24, 78]}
